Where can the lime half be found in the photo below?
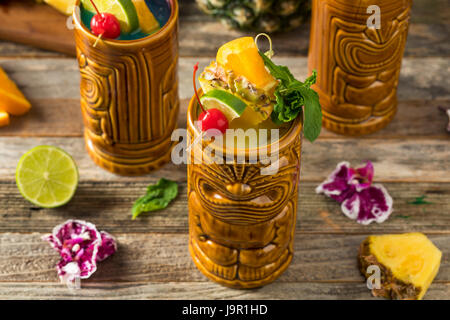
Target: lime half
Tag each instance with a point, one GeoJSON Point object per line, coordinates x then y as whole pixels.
{"type": "Point", "coordinates": [123, 10]}
{"type": "Point", "coordinates": [47, 176]}
{"type": "Point", "coordinates": [230, 105]}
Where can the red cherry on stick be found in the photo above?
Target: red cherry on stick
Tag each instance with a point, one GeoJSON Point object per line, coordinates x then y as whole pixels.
{"type": "Point", "coordinates": [211, 118]}
{"type": "Point", "coordinates": [105, 24]}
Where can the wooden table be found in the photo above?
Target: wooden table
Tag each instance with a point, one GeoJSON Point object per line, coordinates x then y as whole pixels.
{"type": "Point", "coordinates": [411, 158]}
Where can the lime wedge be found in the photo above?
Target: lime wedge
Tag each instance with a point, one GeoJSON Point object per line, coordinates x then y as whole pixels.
{"type": "Point", "coordinates": [230, 105]}
{"type": "Point", "coordinates": [123, 10]}
{"type": "Point", "coordinates": [47, 176]}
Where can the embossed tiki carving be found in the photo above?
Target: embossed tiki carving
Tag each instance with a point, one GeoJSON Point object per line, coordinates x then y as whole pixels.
{"type": "Point", "coordinates": [358, 67]}
{"type": "Point", "coordinates": [129, 97]}
{"type": "Point", "coordinates": [241, 222]}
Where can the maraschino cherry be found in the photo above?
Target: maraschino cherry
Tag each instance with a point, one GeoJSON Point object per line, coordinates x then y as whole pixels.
{"type": "Point", "coordinates": [211, 118]}
{"type": "Point", "coordinates": [105, 24]}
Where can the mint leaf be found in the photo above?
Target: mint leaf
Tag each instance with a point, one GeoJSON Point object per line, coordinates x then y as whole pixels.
{"type": "Point", "coordinates": [158, 197]}
{"type": "Point", "coordinates": [312, 122]}
{"type": "Point", "coordinates": [293, 97]}
{"type": "Point", "coordinates": [281, 73]}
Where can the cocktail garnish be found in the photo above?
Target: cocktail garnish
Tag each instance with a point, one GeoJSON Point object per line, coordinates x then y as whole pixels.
{"type": "Point", "coordinates": [211, 119]}
{"type": "Point", "coordinates": [104, 24]}
{"type": "Point", "coordinates": [292, 95]}
{"type": "Point", "coordinates": [359, 199]}
{"type": "Point", "coordinates": [158, 197]}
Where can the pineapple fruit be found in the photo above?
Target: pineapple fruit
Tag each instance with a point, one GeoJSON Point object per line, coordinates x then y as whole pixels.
{"type": "Point", "coordinates": [240, 70]}
{"type": "Point", "coordinates": [258, 15]}
{"type": "Point", "coordinates": [12, 100]}
{"type": "Point", "coordinates": [408, 264]}
{"type": "Point", "coordinates": [63, 6]}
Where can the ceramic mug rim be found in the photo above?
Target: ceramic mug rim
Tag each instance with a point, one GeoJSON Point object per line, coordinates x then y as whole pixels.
{"type": "Point", "coordinates": [154, 37]}
{"type": "Point", "coordinates": [288, 138]}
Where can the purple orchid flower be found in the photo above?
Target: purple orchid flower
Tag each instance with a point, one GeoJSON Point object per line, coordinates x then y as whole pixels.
{"type": "Point", "coordinates": [359, 199]}
{"type": "Point", "coordinates": [80, 246]}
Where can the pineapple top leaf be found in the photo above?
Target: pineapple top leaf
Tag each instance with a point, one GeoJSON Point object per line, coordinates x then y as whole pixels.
{"type": "Point", "coordinates": [291, 95]}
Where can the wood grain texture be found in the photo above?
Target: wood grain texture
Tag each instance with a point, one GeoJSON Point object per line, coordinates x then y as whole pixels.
{"type": "Point", "coordinates": [108, 204]}
{"type": "Point", "coordinates": [394, 159]}
{"type": "Point", "coordinates": [62, 117]}
{"type": "Point", "coordinates": [37, 25]}
{"type": "Point", "coordinates": [411, 158]}
{"type": "Point", "coordinates": [420, 78]}
{"type": "Point", "coordinates": [164, 258]}
{"type": "Point", "coordinates": [201, 35]}
{"type": "Point", "coordinates": [198, 291]}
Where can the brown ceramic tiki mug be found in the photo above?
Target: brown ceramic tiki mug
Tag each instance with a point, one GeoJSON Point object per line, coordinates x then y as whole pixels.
{"type": "Point", "coordinates": [358, 66]}
{"type": "Point", "coordinates": [129, 97]}
{"type": "Point", "coordinates": [242, 221]}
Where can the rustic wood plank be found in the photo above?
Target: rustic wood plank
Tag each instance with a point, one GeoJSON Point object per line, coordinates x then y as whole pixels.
{"type": "Point", "coordinates": [201, 35]}
{"type": "Point", "coordinates": [48, 117]}
{"type": "Point", "coordinates": [199, 291]}
{"type": "Point", "coordinates": [165, 258]}
{"type": "Point", "coordinates": [420, 78]}
{"type": "Point", "coordinates": [53, 87]}
{"type": "Point", "coordinates": [108, 204]}
{"type": "Point", "coordinates": [62, 117]}
{"type": "Point", "coordinates": [394, 159]}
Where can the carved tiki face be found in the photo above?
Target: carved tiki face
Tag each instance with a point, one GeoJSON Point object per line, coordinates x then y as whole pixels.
{"type": "Point", "coordinates": [358, 64]}
{"type": "Point", "coordinates": [241, 222]}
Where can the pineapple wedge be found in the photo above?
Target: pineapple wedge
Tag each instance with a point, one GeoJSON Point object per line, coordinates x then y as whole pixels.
{"type": "Point", "coordinates": [11, 99]}
{"type": "Point", "coordinates": [408, 264]}
{"type": "Point", "coordinates": [63, 6]}
{"type": "Point", "coordinates": [242, 57]}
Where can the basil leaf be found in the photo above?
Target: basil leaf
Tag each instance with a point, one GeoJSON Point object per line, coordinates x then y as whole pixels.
{"type": "Point", "coordinates": [158, 197]}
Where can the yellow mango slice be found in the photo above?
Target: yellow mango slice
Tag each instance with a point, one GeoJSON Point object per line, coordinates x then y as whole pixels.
{"type": "Point", "coordinates": [63, 6]}
{"type": "Point", "coordinates": [147, 21]}
{"type": "Point", "coordinates": [4, 118]}
{"type": "Point", "coordinates": [242, 57]}
{"type": "Point", "coordinates": [408, 263]}
{"type": "Point", "coordinates": [11, 98]}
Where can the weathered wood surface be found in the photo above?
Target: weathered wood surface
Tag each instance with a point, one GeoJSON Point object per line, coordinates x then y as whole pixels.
{"type": "Point", "coordinates": [150, 266]}
{"type": "Point", "coordinates": [52, 85]}
{"type": "Point", "coordinates": [201, 35]}
{"type": "Point", "coordinates": [411, 158]}
{"type": "Point", "coordinates": [108, 204]}
{"type": "Point", "coordinates": [420, 78]}
{"type": "Point", "coordinates": [156, 257]}
{"type": "Point", "coordinates": [394, 159]}
{"type": "Point", "coordinates": [198, 291]}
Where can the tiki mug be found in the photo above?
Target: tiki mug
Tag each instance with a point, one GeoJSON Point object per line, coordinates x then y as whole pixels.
{"type": "Point", "coordinates": [129, 97]}
{"type": "Point", "coordinates": [358, 65]}
{"type": "Point", "coordinates": [241, 220]}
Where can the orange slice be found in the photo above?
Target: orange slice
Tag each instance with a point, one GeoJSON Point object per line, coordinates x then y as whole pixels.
{"type": "Point", "coordinates": [11, 98]}
{"type": "Point", "coordinates": [4, 118]}
{"type": "Point", "coordinates": [241, 55]}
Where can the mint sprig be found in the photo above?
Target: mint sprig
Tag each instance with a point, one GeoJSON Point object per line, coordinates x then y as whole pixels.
{"type": "Point", "coordinates": [291, 95]}
{"type": "Point", "coordinates": [158, 197]}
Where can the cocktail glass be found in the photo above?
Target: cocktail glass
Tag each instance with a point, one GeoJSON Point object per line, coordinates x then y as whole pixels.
{"type": "Point", "coordinates": [358, 61]}
{"type": "Point", "coordinates": [129, 96]}
{"type": "Point", "coordinates": [242, 219]}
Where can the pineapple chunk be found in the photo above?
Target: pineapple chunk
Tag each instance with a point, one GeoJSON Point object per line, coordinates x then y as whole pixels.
{"type": "Point", "coordinates": [63, 6]}
{"type": "Point", "coordinates": [242, 57]}
{"type": "Point", "coordinates": [4, 118]}
{"type": "Point", "coordinates": [408, 263]}
{"type": "Point", "coordinates": [11, 99]}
